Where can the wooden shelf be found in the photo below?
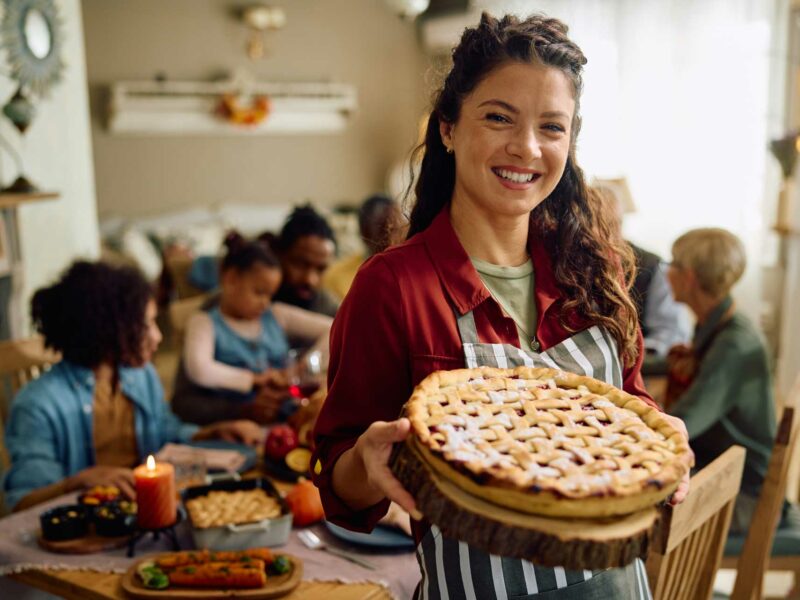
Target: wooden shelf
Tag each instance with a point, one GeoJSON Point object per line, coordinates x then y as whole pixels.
{"type": "Point", "coordinates": [11, 200]}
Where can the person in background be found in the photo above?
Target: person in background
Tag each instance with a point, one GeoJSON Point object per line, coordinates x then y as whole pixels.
{"type": "Point", "coordinates": [663, 321]}
{"type": "Point", "coordinates": [378, 218]}
{"type": "Point", "coordinates": [99, 411]}
{"type": "Point", "coordinates": [306, 248]}
{"type": "Point", "coordinates": [235, 351]}
{"type": "Point", "coordinates": [725, 394]}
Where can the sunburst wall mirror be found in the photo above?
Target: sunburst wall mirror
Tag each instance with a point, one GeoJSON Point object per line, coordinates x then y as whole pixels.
{"type": "Point", "coordinates": [32, 36]}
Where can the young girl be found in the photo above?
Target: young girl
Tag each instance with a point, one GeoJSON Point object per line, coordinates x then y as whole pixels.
{"type": "Point", "coordinates": [235, 352]}
{"type": "Point", "coordinates": [101, 410]}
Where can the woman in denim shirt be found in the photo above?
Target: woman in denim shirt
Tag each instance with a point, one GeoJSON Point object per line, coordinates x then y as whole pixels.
{"type": "Point", "coordinates": [101, 410]}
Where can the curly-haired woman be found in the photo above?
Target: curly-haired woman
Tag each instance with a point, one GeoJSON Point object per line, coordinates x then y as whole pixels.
{"type": "Point", "coordinates": [101, 409]}
{"type": "Point", "coordinates": [499, 200]}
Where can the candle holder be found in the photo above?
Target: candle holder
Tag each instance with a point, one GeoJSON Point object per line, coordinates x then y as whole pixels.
{"type": "Point", "coordinates": [168, 532]}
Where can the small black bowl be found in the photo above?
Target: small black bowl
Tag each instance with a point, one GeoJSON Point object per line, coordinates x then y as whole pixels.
{"type": "Point", "coordinates": [64, 523]}
{"type": "Point", "coordinates": [112, 520]}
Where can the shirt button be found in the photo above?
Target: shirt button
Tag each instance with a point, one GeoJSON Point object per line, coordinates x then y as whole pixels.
{"type": "Point", "coordinates": [87, 408]}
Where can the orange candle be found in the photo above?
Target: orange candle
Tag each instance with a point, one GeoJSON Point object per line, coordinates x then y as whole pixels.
{"type": "Point", "coordinates": [155, 494]}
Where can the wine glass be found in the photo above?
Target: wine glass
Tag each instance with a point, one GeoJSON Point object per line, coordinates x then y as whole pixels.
{"type": "Point", "coordinates": [304, 373]}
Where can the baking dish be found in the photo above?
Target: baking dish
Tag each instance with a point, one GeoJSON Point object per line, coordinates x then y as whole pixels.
{"type": "Point", "coordinates": [269, 532]}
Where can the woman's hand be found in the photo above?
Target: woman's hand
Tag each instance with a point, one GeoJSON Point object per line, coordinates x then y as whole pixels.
{"type": "Point", "coordinates": [373, 449]}
{"type": "Point", "coordinates": [103, 475]}
{"type": "Point", "coordinates": [242, 431]}
{"type": "Point", "coordinates": [683, 487]}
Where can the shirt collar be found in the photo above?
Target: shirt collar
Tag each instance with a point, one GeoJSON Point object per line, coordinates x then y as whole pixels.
{"type": "Point", "coordinates": [459, 277]}
{"type": "Point", "coordinates": [704, 332]}
{"type": "Point", "coordinates": [84, 377]}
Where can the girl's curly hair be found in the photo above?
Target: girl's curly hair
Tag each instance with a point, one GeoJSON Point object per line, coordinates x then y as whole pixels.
{"type": "Point", "coordinates": [593, 268]}
{"type": "Point", "coordinates": [94, 313]}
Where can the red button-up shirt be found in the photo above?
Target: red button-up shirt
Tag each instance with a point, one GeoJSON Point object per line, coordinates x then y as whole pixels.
{"type": "Point", "coordinates": [397, 325]}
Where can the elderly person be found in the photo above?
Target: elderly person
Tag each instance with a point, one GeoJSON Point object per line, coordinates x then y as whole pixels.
{"type": "Point", "coordinates": [727, 390]}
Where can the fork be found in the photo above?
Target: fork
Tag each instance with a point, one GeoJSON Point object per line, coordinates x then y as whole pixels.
{"type": "Point", "coordinates": [312, 540]}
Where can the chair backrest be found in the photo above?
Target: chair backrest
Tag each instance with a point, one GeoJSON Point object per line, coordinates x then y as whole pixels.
{"type": "Point", "coordinates": [685, 557]}
{"type": "Point", "coordinates": [754, 558]}
{"type": "Point", "coordinates": [179, 313]}
{"type": "Point", "coordinates": [21, 361]}
{"type": "Point", "coordinates": [178, 269]}
{"type": "Point", "coordinates": [24, 360]}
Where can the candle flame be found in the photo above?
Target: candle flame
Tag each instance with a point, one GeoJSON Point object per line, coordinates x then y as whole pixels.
{"type": "Point", "coordinates": [151, 463]}
{"type": "Point", "coordinates": [797, 143]}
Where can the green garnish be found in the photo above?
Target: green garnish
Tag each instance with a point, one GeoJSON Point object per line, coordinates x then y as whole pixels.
{"type": "Point", "coordinates": [153, 577]}
{"type": "Point", "coordinates": [246, 559]}
{"type": "Point", "coordinates": [189, 570]}
{"type": "Point", "coordinates": [280, 565]}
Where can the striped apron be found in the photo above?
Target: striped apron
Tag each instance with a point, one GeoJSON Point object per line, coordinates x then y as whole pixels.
{"type": "Point", "coordinates": [453, 569]}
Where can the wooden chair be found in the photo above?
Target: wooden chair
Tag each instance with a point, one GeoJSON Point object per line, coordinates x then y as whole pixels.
{"type": "Point", "coordinates": [21, 361]}
{"type": "Point", "coordinates": [24, 360]}
{"type": "Point", "coordinates": [766, 547]}
{"type": "Point", "coordinates": [684, 559]}
{"type": "Point", "coordinates": [179, 313]}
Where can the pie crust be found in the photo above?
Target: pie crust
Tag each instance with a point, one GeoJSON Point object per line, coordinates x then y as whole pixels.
{"type": "Point", "coordinates": [546, 442]}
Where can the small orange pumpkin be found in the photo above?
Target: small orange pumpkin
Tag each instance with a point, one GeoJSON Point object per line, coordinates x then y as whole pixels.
{"type": "Point", "coordinates": [304, 501]}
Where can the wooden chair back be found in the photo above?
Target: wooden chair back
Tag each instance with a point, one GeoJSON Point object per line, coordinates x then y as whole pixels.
{"type": "Point", "coordinates": [685, 557]}
{"type": "Point", "coordinates": [179, 313]}
{"type": "Point", "coordinates": [755, 556]}
{"type": "Point", "coordinates": [21, 361]}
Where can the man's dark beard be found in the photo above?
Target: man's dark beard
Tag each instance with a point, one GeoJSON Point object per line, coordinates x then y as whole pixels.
{"type": "Point", "coordinates": [287, 294]}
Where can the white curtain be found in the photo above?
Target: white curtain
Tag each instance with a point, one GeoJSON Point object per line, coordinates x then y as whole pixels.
{"type": "Point", "coordinates": [678, 99]}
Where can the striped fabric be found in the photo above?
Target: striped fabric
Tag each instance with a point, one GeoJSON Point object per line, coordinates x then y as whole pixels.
{"type": "Point", "coordinates": [453, 569]}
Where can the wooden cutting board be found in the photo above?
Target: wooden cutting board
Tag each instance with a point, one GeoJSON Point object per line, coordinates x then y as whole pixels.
{"type": "Point", "coordinates": [88, 544]}
{"type": "Point", "coordinates": [572, 543]}
{"type": "Point", "coordinates": [277, 585]}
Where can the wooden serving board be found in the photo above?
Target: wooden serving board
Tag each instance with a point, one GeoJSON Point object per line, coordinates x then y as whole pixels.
{"type": "Point", "coordinates": [547, 541]}
{"type": "Point", "coordinates": [88, 544]}
{"type": "Point", "coordinates": [277, 585]}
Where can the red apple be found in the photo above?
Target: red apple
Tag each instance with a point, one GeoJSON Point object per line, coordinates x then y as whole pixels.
{"type": "Point", "coordinates": [280, 441]}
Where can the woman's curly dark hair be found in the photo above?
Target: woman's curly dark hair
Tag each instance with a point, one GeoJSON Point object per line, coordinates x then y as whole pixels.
{"type": "Point", "coordinates": [94, 313]}
{"type": "Point", "coordinates": [593, 270]}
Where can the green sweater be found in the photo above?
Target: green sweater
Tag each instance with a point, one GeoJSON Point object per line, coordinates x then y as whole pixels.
{"type": "Point", "coordinates": [730, 400]}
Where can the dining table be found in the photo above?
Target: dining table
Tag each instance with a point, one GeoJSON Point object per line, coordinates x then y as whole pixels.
{"type": "Point", "coordinates": [395, 575]}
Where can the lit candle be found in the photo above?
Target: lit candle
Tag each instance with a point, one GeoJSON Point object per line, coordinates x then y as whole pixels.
{"type": "Point", "coordinates": [155, 494]}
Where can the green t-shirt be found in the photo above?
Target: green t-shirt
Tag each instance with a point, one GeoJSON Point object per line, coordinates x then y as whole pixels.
{"type": "Point", "coordinates": [513, 288]}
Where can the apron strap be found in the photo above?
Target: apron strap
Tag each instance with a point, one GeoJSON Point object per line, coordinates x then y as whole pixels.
{"type": "Point", "coordinates": [466, 328]}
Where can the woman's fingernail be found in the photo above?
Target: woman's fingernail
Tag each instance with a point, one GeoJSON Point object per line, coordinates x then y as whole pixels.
{"type": "Point", "coordinates": [416, 515]}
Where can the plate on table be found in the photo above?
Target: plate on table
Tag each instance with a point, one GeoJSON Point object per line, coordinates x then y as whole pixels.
{"type": "Point", "coordinates": [384, 537]}
{"type": "Point", "coordinates": [248, 452]}
{"type": "Point", "coordinates": [275, 587]}
{"type": "Point", "coordinates": [296, 464]}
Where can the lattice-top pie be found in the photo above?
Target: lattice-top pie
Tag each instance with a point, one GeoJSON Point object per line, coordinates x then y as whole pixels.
{"type": "Point", "coordinates": [546, 442]}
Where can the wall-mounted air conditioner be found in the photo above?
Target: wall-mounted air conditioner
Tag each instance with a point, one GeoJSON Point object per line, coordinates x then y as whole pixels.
{"type": "Point", "coordinates": [439, 34]}
{"type": "Point", "coordinates": [186, 108]}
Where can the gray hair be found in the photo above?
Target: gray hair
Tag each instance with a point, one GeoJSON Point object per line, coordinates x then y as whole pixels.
{"type": "Point", "coordinates": [716, 256]}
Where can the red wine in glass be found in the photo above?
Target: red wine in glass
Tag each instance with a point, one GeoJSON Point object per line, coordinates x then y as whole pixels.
{"type": "Point", "coordinates": [303, 390]}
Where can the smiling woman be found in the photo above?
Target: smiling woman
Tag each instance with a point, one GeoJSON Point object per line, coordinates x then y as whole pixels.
{"type": "Point", "coordinates": [509, 262]}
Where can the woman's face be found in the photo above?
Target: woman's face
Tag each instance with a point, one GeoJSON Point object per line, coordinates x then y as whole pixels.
{"type": "Point", "coordinates": [512, 139]}
{"type": "Point", "coordinates": [152, 334]}
{"type": "Point", "coordinates": [247, 294]}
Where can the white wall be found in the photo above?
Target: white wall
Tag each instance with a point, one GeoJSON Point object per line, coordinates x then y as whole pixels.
{"type": "Point", "coordinates": [359, 42]}
{"type": "Point", "coordinates": [57, 155]}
